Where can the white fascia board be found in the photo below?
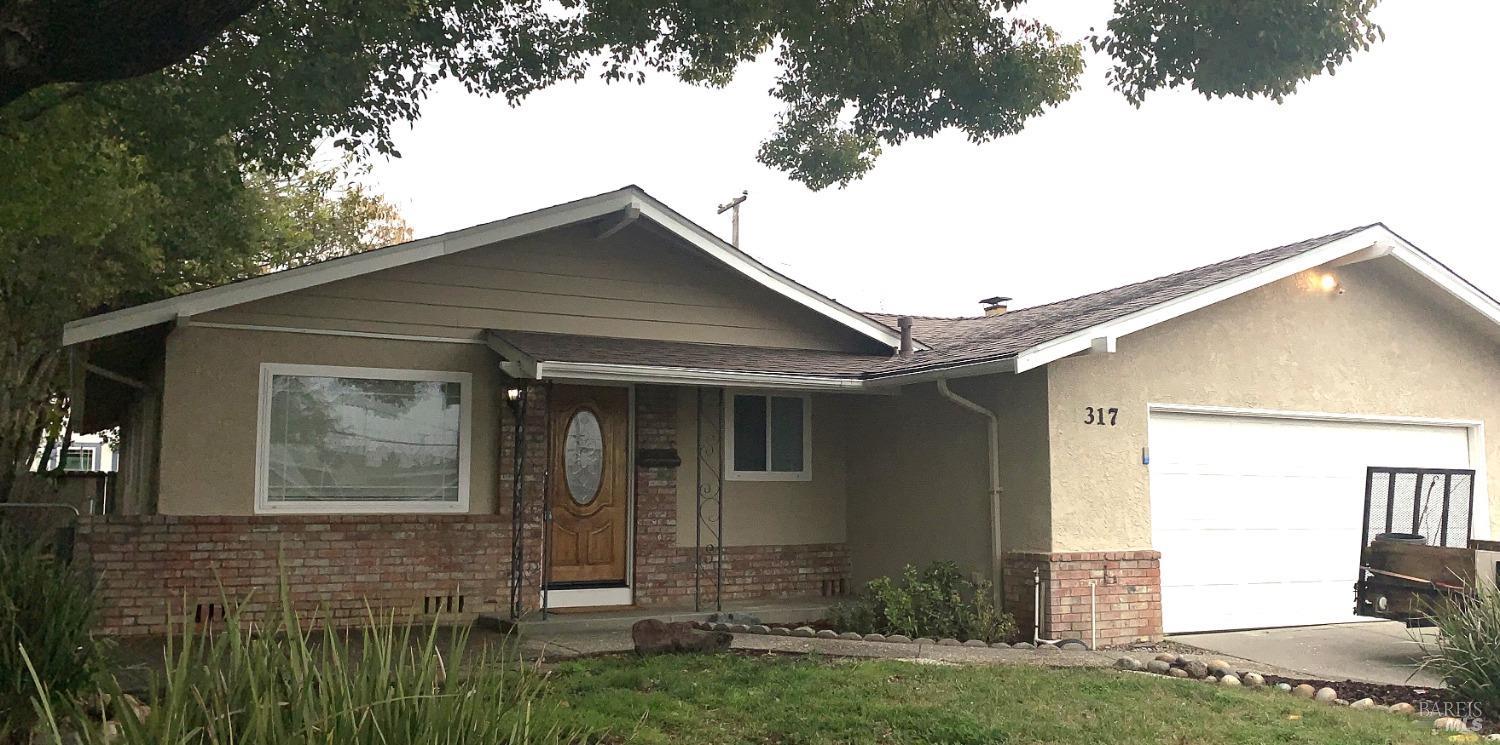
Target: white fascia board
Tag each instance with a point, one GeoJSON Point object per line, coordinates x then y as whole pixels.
{"type": "Point", "coordinates": [763, 275]}
{"type": "Point", "coordinates": [965, 370]}
{"type": "Point", "coordinates": [291, 280]}
{"type": "Point", "coordinates": [613, 373]}
{"type": "Point", "coordinates": [1374, 237]}
{"type": "Point", "coordinates": [1444, 277]}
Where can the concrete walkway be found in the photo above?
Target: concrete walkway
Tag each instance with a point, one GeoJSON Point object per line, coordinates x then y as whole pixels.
{"type": "Point", "coordinates": [1375, 652]}
{"type": "Point", "coordinates": [561, 647]}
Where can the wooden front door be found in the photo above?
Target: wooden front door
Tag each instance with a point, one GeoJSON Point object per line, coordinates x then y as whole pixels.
{"type": "Point", "coordinates": [588, 491]}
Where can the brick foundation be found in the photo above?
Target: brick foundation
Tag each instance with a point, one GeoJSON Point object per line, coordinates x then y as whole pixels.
{"type": "Point", "coordinates": [153, 566]}
{"type": "Point", "coordinates": [1127, 585]}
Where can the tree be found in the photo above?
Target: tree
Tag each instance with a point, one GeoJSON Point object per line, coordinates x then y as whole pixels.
{"type": "Point", "coordinates": [95, 219]}
{"type": "Point", "coordinates": [856, 75]}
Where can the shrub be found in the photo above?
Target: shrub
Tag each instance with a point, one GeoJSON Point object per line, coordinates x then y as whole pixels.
{"type": "Point", "coordinates": [1464, 651]}
{"type": "Point", "coordinates": [47, 609]}
{"type": "Point", "coordinates": [937, 601]}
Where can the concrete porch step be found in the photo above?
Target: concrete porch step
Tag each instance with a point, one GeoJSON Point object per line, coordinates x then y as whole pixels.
{"type": "Point", "coordinates": [570, 621]}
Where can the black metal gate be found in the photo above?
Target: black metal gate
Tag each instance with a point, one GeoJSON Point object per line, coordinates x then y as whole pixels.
{"type": "Point", "coordinates": [1435, 504]}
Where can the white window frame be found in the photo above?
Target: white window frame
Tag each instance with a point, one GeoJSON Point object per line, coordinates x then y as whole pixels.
{"type": "Point", "coordinates": [733, 475]}
{"type": "Point", "coordinates": [92, 453]}
{"type": "Point", "coordinates": [268, 370]}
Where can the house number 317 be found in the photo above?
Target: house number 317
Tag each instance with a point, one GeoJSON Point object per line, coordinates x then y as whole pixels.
{"type": "Point", "coordinates": [1101, 416]}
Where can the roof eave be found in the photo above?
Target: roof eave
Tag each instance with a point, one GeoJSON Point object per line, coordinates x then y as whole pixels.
{"type": "Point", "coordinates": [630, 198]}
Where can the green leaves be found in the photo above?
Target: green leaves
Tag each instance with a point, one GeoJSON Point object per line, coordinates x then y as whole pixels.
{"type": "Point", "coordinates": [1244, 48]}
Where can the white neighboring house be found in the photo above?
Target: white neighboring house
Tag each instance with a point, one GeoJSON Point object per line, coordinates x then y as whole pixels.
{"type": "Point", "coordinates": [86, 453]}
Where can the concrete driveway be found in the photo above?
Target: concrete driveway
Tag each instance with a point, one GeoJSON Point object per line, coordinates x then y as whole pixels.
{"type": "Point", "coordinates": [1375, 652]}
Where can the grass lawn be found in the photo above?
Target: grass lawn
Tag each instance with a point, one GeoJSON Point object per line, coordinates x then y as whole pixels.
{"type": "Point", "coordinates": [741, 699]}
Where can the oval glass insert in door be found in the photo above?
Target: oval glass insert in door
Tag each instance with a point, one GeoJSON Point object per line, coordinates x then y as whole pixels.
{"type": "Point", "coordinates": [583, 457]}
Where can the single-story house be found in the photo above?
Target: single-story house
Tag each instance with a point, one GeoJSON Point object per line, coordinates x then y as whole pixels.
{"type": "Point", "coordinates": [602, 404]}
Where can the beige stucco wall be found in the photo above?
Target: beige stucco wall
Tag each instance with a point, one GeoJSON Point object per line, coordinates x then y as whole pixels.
{"type": "Point", "coordinates": [765, 513]}
{"type": "Point", "coordinates": [211, 397]}
{"type": "Point", "coordinates": [1387, 346]}
{"type": "Point", "coordinates": [635, 284]}
{"type": "Point", "coordinates": [919, 479]}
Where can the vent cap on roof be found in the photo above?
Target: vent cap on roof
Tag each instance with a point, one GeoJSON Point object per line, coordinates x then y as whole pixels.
{"type": "Point", "coordinates": [994, 306]}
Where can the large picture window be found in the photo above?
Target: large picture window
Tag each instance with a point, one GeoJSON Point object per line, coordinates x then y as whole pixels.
{"type": "Point", "coordinates": [337, 439]}
{"type": "Point", "coordinates": [769, 437]}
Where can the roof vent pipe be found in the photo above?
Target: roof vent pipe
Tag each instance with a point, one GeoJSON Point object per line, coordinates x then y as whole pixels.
{"type": "Point", "coordinates": [904, 323]}
{"type": "Point", "coordinates": [995, 306]}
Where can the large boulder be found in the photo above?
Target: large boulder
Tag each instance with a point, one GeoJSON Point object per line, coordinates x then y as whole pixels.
{"type": "Point", "coordinates": [653, 636]}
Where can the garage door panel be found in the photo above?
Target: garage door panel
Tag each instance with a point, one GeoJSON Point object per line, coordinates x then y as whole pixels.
{"type": "Point", "coordinates": [1258, 518]}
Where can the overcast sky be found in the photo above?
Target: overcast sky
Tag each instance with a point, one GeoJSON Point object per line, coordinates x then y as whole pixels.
{"type": "Point", "coordinates": [1092, 195]}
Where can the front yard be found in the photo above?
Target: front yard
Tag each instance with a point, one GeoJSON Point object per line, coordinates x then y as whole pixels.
{"type": "Point", "coordinates": [734, 698]}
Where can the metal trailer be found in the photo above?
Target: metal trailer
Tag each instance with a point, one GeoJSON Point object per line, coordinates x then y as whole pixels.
{"type": "Point", "coordinates": [1417, 545]}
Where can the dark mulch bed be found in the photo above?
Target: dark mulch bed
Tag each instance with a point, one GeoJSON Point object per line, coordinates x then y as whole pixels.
{"type": "Point", "coordinates": [1381, 693]}
{"type": "Point", "coordinates": [817, 625]}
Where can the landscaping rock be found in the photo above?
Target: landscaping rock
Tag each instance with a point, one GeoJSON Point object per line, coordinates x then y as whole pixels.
{"type": "Point", "coordinates": [1403, 708]}
{"type": "Point", "coordinates": [1159, 667]}
{"type": "Point", "coordinates": [1304, 691]}
{"type": "Point", "coordinates": [1219, 668]}
{"type": "Point", "coordinates": [749, 619]}
{"type": "Point", "coordinates": [1022, 645]}
{"type": "Point", "coordinates": [1195, 668]}
{"type": "Point", "coordinates": [827, 634]}
{"type": "Point", "coordinates": [1284, 687]}
{"type": "Point", "coordinates": [1325, 695]}
{"type": "Point", "coordinates": [653, 636]}
{"type": "Point", "coordinates": [1340, 702]}
{"type": "Point", "coordinates": [1178, 672]}
{"type": "Point", "coordinates": [924, 640]}
{"type": "Point", "coordinates": [948, 642]}
{"type": "Point", "coordinates": [853, 636]}
{"type": "Point", "coordinates": [1253, 680]}
{"type": "Point", "coordinates": [899, 639]}
{"type": "Point", "coordinates": [780, 631]}
{"type": "Point", "coordinates": [804, 631]}
{"type": "Point", "coordinates": [1047, 647]}
{"type": "Point", "coordinates": [1167, 657]}
{"type": "Point", "coordinates": [738, 628]}
{"type": "Point", "coordinates": [1210, 679]}
{"type": "Point", "coordinates": [1229, 679]}
{"type": "Point", "coordinates": [721, 626]}
{"type": "Point", "coordinates": [999, 645]}
{"type": "Point", "coordinates": [759, 628]}
{"type": "Point", "coordinates": [874, 637]}
{"type": "Point", "coordinates": [1075, 646]}
{"type": "Point", "coordinates": [1130, 663]}
{"type": "Point", "coordinates": [1364, 703]}
{"type": "Point", "coordinates": [975, 643]}
{"type": "Point", "coordinates": [1450, 724]}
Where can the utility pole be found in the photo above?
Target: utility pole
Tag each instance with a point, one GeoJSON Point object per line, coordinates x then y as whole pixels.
{"type": "Point", "coordinates": [734, 204]}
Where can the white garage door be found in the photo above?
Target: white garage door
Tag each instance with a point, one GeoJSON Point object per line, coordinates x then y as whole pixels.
{"type": "Point", "coordinates": [1258, 518]}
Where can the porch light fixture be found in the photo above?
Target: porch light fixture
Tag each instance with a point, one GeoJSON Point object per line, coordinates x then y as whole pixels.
{"type": "Point", "coordinates": [1328, 283]}
{"type": "Point", "coordinates": [513, 395]}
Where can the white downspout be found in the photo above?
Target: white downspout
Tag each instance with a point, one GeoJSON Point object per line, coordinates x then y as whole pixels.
{"type": "Point", "coordinates": [997, 563]}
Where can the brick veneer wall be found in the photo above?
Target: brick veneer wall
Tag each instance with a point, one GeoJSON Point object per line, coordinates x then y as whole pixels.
{"type": "Point", "coordinates": [1127, 588]}
{"type": "Point", "coordinates": [154, 567]}
{"type": "Point", "coordinates": [150, 566]}
{"type": "Point", "coordinates": [664, 575]}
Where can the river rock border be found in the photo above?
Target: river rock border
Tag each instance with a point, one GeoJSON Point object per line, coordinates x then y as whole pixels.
{"type": "Point", "coordinates": [1219, 672]}
{"type": "Point", "coordinates": [808, 632]}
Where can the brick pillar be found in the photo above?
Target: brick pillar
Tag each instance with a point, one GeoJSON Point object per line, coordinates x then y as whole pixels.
{"type": "Point", "coordinates": [1127, 591]}
{"type": "Point", "coordinates": [534, 469]}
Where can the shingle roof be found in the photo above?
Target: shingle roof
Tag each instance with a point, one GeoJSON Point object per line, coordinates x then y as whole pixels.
{"type": "Point", "coordinates": [983, 338]}
{"type": "Point", "coordinates": [953, 341]}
